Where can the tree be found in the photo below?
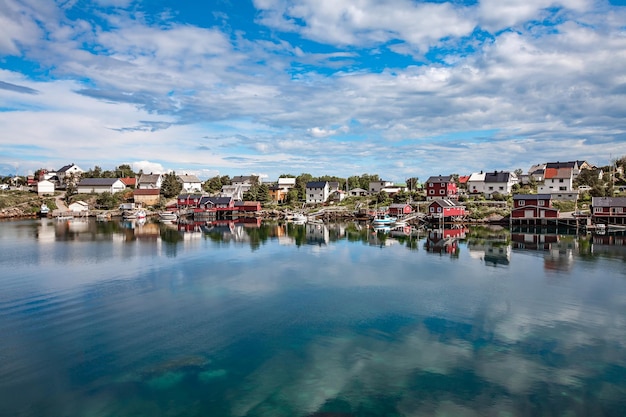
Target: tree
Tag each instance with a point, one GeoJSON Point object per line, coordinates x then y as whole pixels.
{"type": "Point", "coordinates": [171, 187]}
{"type": "Point", "coordinates": [412, 183]}
{"type": "Point", "coordinates": [263, 194]}
{"type": "Point", "coordinates": [518, 172]}
{"type": "Point", "coordinates": [124, 171]}
{"type": "Point", "coordinates": [213, 185]}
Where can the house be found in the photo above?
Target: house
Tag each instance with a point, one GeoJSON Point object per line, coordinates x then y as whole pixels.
{"type": "Point", "coordinates": [248, 206]}
{"type": "Point", "coordinates": [536, 172]}
{"type": "Point", "coordinates": [559, 181]}
{"type": "Point", "coordinates": [217, 203]}
{"type": "Point", "coordinates": [150, 181]}
{"type": "Point", "coordinates": [286, 183]}
{"type": "Point", "coordinates": [100, 185]}
{"type": "Point", "coordinates": [490, 183]}
{"type": "Point", "coordinates": [387, 186]}
{"type": "Point", "coordinates": [278, 194]}
{"type": "Point", "coordinates": [78, 207]}
{"type": "Point", "coordinates": [533, 206]}
{"type": "Point", "coordinates": [147, 196]}
{"type": "Point", "coordinates": [317, 192]}
{"type": "Point", "coordinates": [190, 183]}
{"type": "Point", "coordinates": [69, 171]}
{"type": "Point", "coordinates": [129, 182]}
{"type": "Point", "coordinates": [189, 200]}
{"type": "Point", "coordinates": [608, 210]}
{"type": "Point", "coordinates": [357, 192]}
{"type": "Point", "coordinates": [441, 187]}
{"type": "Point", "coordinates": [45, 187]}
{"type": "Point", "coordinates": [400, 209]}
{"type": "Point", "coordinates": [445, 208]}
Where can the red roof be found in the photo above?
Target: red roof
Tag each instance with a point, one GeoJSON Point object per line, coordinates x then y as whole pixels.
{"type": "Point", "coordinates": [551, 173]}
{"type": "Point", "coordinates": [147, 191]}
{"type": "Point", "coordinates": [129, 182]}
{"type": "Point", "coordinates": [463, 179]}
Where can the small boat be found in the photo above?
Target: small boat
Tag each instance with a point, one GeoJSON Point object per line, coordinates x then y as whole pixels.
{"type": "Point", "coordinates": [381, 220]}
{"type": "Point", "coordinates": [44, 210]}
{"type": "Point", "coordinates": [168, 216]}
{"type": "Point", "coordinates": [103, 217]}
{"type": "Point", "coordinates": [134, 215]}
{"type": "Point", "coordinates": [299, 218]}
{"type": "Point", "coordinates": [141, 214]}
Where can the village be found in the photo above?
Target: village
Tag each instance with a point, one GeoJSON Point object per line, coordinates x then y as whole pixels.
{"type": "Point", "coordinates": [573, 193]}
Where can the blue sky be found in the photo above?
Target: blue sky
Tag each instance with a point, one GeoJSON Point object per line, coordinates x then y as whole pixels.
{"type": "Point", "coordinates": [398, 88]}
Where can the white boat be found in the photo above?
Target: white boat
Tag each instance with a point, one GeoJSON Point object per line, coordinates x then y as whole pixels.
{"type": "Point", "coordinates": [299, 218]}
{"type": "Point", "coordinates": [44, 210]}
{"type": "Point", "coordinates": [384, 220]}
{"type": "Point", "coordinates": [132, 215]}
{"type": "Point", "coordinates": [168, 216]}
{"type": "Point", "coordinates": [103, 217]}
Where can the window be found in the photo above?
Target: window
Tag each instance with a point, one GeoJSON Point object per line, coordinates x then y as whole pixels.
{"type": "Point", "coordinates": [597, 209]}
{"type": "Point", "coordinates": [490, 188]}
{"type": "Point", "coordinates": [562, 188]}
{"type": "Point", "coordinates": [561, 180]}
{"type": "Point", "coordinates": [438, 209]}
{"type": "Point", "coordinates": [432, 191]}
{"type": "Point", "coordinates": [618, 210]}
{"type": "Point", "coordinates": [432, 209]}
{"type": "Point", "coordinates": [501, 188]}
{"type": "Point", "coordinates": [431, 184]}
{"type": "Point", "coordinates": [442, 192]}
{"type": "Point", "coordinates": [541, 202]}
{"type": "Point", "coordinates": [521, 203]}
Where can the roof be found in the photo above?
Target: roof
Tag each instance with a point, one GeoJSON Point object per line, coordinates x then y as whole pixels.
{"type": "Point", "coordinates": [316, 184]}
{"type": "Point", "coordinates": [444, 202]}
{"type": "Point", "coordinates": [65, 168]}
{"type": "Point", "coordinates": [129, 181]}
{"type": "Point", "coordinates": [558, 173]}
{"type": "Point", "coordinates": [532, 197]}
{"type": "Point", "coordinates": [439, 179]}
{"type": "Point", "coordinates": [190, 196]}
{"type": "Point", "coordinates": [463, 179]}
{"type": "Point", "coordinates": [215, 200]}
{"type": "Point", "coordinates": [97, 182]}
{"type": "Point", "coordinates": [570, 164]}
{"type": "Point", "coordinates": [242, 178]}
{"type": "Point", "coordinates": [246, 203]}
{"type": "Point", "coordinates": [501, 176]}
{"type": "Point", "coordinates": [188, 178]}
{"type": "Point", "coordinates": [477, 176]}
{"type": "Point", "coordinates": [287, 181]}
{"type": "Point", "coordinates": [398, 205]}
{"type": "Point", "coordinates": [608, 201]}
{"type": "Point", "coordinates": [149, 179]}
{"type": "Point", "coordinates": [147, 191]}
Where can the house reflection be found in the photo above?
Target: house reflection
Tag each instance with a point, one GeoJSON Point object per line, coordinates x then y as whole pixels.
{"type": "Point", "coordinates": [445, 240]}
{"type": "Point", "coordinates": [558, 250]}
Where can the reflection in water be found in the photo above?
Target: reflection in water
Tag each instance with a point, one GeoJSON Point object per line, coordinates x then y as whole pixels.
{"type": "Point", "coordinates": [264, 319]}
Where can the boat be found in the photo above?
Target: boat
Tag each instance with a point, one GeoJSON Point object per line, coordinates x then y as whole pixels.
{"type": "Point", "coordinates": [384, 220]}
{"type": "Point", "coordinates": [134, 215]}
{"type": "Point", "coordinates": [44, 210]}
{"type": "Point", "coordinates": [168, 216]}
{"type": "Point", "coordinates": [103, 217]}
{"type": "Point", "coordinates": [299, 218]}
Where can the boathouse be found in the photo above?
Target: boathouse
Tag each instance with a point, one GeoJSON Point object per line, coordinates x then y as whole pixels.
{"type": "Point", "coordinates": [400, 209]}
{"type": "Point", "coordinates": [533, 209]}
{"type": "Point", "coordinates": [608, 210]}
{"type": "Point", "coordinates": [446, 209]}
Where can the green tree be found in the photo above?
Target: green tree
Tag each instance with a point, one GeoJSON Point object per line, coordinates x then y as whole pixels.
{"type": "Point", "coordinates": [170, 186]}
{"type": "Point", "coordinates": [108, 201]}
{"type": "Point", "coordinates": [412, 183]}
{"type": "Point", "coordinates": [124, 171]}
{"type": "Point", "coordinates": [263, 194]}
{"type": "Point", "coordinates": [213, 185]}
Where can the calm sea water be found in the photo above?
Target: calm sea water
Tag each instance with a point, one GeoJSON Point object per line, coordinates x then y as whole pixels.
{"type": "Point", "coordinates": [115, 319]}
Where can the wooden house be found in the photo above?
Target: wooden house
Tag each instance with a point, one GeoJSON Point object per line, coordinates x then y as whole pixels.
{"type": "Point", "coordinates": [100, 185]}
{"type": "Point", "coordinates": [441, 187]}
{"type": "Point", "coordinates": [533, 206]}
{"type": "Point", "coordinates": [446, 209]}
{"type": "Point", "coordinates": [248, 206]}
{"type": "Point", "coordinates": [400, 209]}
{"type": "Point", "coordinates": [608, 210]}
{"type": "Point", "coordinates": [147, 197]}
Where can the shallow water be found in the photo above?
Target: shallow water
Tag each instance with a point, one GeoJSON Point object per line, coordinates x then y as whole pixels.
{"type": "Point", "coordinates": [122, 319]}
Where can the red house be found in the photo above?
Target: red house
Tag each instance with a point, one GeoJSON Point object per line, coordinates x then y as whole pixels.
{"type": "Point", "coordinates": [609, 210]}
{"type": "Point", "coordinates": [400, 209]}
{"type": "Point", "coordinates": [441, 187]}
{"type": "Point", "coordinates": [533, 206]}
{"type": "Point", "coordinates": [446, 209]}
{"type": "Point", "coordinates": [248, 206]}
{"type": "Point", "coordinates": [189, 200]}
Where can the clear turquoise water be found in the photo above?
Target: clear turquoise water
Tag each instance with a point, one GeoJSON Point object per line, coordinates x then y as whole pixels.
{"type": "Point", "coordinates": [126, 320]}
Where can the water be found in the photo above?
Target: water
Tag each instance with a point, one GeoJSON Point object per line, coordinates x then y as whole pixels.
{"type": "Point", "coordinates": [121, 319]}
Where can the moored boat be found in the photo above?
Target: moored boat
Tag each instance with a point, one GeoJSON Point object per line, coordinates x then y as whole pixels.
{"type": "Point", "coordinates": [44, 210]}
{"type": "Point", "coordinates": [169, 216]}
{"type": "Point", "coordinates": [383, 220]}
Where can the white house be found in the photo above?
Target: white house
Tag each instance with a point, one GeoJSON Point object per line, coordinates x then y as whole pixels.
{"type": "Point", "coordinates": [149, 181]}
{"type": "Point", "coordinates": [286, 183]}
{"type": "Point", "coordinates": [100, 185]}
{"type": "Point", "coordinates": [317, 192]}
{"type": "Point", "coordinates": [559, 182]}
{"type": "Point", "coordinates": [377, 186]}
{"type": "Point", "coordinates": [78, 207]}
{"type": "Point", "coordinates": [190, 183]}
{"type": "Point", "coordinates": [69, 171]}
{"type": "Point", "coordinates": [489, 183]}
{"type": "Point", "coordinates": [45, 187]}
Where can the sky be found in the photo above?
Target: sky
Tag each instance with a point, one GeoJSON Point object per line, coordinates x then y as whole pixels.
{"type": "Point", "coordinates": [398, 88]}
